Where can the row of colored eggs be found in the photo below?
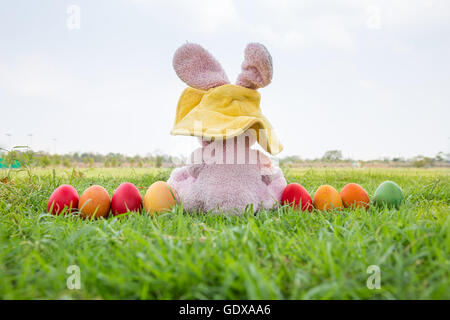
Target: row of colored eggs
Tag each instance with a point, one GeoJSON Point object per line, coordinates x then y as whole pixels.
{"type": "Point", "coordinates": [160, 197]}
{"type": "Point", "coordinates": [353, 195]}
{"type": "Point", "coordinates": [95, 201]}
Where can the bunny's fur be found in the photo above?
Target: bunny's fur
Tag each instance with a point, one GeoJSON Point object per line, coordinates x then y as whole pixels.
{"type": "Point", "coordinates": [218, 184]}
{"type": "Point", "coordinates": [198, 68]}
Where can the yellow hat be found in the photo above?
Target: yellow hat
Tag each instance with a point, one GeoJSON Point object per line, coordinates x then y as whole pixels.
{"type": "Point", "coordinates": [224, 112]}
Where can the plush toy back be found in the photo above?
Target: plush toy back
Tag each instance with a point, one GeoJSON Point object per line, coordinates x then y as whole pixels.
{"type": "Point", "coordinates": [212, 183]}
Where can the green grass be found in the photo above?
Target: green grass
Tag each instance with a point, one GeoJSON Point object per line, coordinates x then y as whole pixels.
{"type": "Point", "coordinates": [280, 254]}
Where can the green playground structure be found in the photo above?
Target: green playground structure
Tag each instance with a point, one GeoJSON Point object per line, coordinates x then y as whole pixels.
{"type": "Point", "coordinates": [15, 165]}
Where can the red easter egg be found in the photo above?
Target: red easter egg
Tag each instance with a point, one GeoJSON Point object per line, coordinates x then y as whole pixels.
{"type": "Point", "coordinates": [294, 194]}
{"type": "Point", "coordinates": [63, 196]}
{"type": "Point", "coordinates": [126, 198]}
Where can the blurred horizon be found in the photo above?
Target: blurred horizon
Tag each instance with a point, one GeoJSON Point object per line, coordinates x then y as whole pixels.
{"type": "Point", "coordinates": [368, 78]}
{"type": "Point", "coordinates": [23, 155]}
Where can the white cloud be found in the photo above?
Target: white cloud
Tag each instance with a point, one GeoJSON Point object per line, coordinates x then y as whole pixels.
{"type": "Point", "coordinates": [334, 25]}
{"type": "Point", "coordinates": [202, 15]}
{"type": "Point", "coordinates": [414, 13]}
{"type": "Point", "coordinates": [325, 32]}
{"type": "Point", "coordinates": [32, 75]}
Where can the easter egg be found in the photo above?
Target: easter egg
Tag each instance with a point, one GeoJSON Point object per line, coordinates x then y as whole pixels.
{"type": "Point", "coordinates": [126, 198]}
{"type": "Point", "coordinates": [353, 195]}
{"type": "Point", "coordinates": [295, 195]}
{"type": "Point", "coordinates": [327, 197]}
{"type": "Point", "coordinates": [159, 197]}
{"type": "Point", "coordinates": [388, 193]}
{"type": "Point", "coordinates": [65, 196]}
{"type": "Point", "coordinates": [94, 202]}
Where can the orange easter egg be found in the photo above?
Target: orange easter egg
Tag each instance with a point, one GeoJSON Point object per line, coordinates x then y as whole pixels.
{"type": "Point", "coordinates": [353, 195]}
{"type": "Point", "coordinates": [94, 201]}
{"type": "Point", "coordinates": [159, 197]}
{"type": "Point", "coordinates": [327, 197]}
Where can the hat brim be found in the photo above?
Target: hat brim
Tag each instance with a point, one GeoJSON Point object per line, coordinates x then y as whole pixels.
{"type": "Point", "coordinates": [224, 112]}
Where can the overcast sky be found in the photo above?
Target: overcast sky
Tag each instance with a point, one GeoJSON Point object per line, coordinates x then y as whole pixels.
{"type": "Point", "coordinates": [371, 78]}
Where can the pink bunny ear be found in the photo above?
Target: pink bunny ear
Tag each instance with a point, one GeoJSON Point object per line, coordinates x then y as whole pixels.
{"type": "Point", "coordinates": [198, 68]}
{"type": "Point", "coordinates": [257, 67]}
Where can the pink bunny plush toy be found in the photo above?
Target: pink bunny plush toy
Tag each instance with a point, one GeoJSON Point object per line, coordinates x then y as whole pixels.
{"type": "Point", "coordinates": [225, 175]}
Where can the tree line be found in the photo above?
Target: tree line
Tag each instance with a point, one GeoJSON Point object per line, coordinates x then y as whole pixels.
{"type": "Point", "coordinates": [87, 159]}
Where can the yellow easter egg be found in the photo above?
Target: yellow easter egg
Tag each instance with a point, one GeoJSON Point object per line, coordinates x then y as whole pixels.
{"type": "Point", "coordinates": [160, 197]}
{"type": "Point", "coordinates": [327, 197]}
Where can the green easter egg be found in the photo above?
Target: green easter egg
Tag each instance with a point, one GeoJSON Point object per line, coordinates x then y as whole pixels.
{"type": "Point", "coordinates": [388, 193]}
